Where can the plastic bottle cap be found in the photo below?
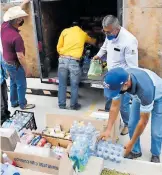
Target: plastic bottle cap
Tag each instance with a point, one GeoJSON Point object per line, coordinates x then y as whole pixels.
{"type": "Point", "coordinates": [16, 173]}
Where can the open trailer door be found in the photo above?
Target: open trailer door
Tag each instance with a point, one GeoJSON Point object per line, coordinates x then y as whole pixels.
{"type": "Point", "coordinates": [44, 62]}
{"type": "Point", "coordinates": [47, 33]}
{"type": "Point", "coordinates": [52, 16]}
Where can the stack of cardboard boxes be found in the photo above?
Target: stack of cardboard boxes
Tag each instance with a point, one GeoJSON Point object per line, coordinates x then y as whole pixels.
{"type": "Point", "coordinates": [49, 165]}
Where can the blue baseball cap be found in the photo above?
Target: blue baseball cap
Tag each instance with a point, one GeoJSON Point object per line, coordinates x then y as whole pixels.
{"type": "Point", "coordinates": [113, 82]}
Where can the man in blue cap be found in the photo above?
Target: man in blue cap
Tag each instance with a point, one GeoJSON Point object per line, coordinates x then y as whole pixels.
{"type": "Point", "coordinates": [146, 89]}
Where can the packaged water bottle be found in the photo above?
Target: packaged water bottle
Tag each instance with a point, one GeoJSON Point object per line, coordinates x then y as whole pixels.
{"type": "Point", "coordinates": [74, 130]}
{"type": "Point", "coordinates": [6, 124]}
{"type": "Point", "coordinates": [118, 157]}
{"type": "Point", "coordinates": [105, 154]}
{"type": "Point", "coordinates": [6, 159]}
{"type": "Point", "coordinates": [81, 129]}
{"type": "Point", "coordinates": [100, 150]}
{"type": "Point", "coordinates": [90, 131]}
{"type": "Point", "coordinates": [79, 151]}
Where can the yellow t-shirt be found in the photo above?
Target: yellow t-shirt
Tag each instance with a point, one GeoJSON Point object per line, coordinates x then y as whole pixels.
{"type": "Point", "coordinates": [71, 42]}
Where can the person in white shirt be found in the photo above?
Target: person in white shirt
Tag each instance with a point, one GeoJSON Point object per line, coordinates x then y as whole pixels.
{"type": "Point", "coordinates": [121, 48]}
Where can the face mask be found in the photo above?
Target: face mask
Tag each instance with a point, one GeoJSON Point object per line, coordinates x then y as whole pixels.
{"type": "Point", "coordinates": [122, 92]}
{"type": "Point", "coordinates": [111, 37]}
{"type": "Point", "coordinates": [21, 23]}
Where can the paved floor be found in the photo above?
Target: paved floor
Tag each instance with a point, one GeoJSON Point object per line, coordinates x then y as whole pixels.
{"type": "Point", "coordinates": [91, 100]}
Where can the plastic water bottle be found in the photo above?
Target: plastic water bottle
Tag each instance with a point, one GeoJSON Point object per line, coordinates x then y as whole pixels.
{"type": "Point", "coordinates": [6, 159]}
{"type": "Point", "coordinates": [79, 150]}
{"type": "Point", "coordinates": [74, 130]}
{"type": "Point", "coordinates": [107, 150]}
{"type": "Point", "coordinates": [86, 65]}
{"type": "Point", "coordinates": [90, 132]}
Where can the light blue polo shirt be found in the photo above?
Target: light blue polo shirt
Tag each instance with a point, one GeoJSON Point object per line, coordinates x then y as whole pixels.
{"type": "Point", "coordinates": [146, 87]}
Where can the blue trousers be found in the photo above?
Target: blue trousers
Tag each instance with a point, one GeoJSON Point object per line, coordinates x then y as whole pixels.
{"type": "Point", "coordinates": [17, 85]}
{"type": "Point", "coordinates": [68, 67]}
{"type": "Point", "coordinates": [156, 126]}
{"type": "Point", "coordinates": [124, 108]}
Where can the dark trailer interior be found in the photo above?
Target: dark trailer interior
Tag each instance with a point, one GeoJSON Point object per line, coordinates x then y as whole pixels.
{"type": "Point", "coordinates": [52, 16]}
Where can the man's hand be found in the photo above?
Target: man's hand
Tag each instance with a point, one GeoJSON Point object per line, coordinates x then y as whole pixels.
{"type": "Point", "coordinates": [128, 148]}
{"type": "Point", "coordinates": [96, 57]}
{"type": "Point", "coordinates": [104, 136]}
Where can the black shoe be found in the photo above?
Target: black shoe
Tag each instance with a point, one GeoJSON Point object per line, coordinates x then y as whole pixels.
{"type": "Point", "coordinates": [155, 159]}
{"type": "Point", "coordinates": [132, 155]}
{"type": "Point", "coordinates": [76, 107]}
{"type": "Point", "coordinates": [62, 107]}
{"type": "Point", "coordinates": [7, 112]}
{"type": "Point", "coordinates": [4, 118]}
{"type": "Point", "coordinates": [15, 106]}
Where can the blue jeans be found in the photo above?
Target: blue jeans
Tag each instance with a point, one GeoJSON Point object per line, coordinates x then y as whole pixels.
{"type": "Point", "coordinates": [156, 126]}
{"type": "Point", "coordinates": [124, 107]}
{"type": "Point", "coordinates": [68, 67]}
{"type": "Point", "coordinates": [17, 85]}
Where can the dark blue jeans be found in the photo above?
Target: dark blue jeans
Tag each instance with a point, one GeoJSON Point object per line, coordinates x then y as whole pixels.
{"type": "Point", "coordinates": [124, 107]}
{"type": "Point", "coordinates": [17, 85]}
{"type": "Point", "coordinates": [68, 67]}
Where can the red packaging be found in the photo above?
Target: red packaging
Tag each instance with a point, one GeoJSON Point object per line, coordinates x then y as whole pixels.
{"type": "Point", "coordinates": [42, 142]}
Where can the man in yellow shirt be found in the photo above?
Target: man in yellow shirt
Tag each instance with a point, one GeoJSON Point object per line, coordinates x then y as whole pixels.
{"type": "Point", "coordinates": [70, 48]}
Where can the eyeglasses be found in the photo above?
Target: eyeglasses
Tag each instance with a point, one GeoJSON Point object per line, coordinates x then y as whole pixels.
{"type": "Point", "coordinates": [107, 33]}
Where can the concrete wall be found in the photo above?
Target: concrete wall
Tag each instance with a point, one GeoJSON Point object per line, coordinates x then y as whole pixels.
{"type": "Point", "coordinates": [144, 19]}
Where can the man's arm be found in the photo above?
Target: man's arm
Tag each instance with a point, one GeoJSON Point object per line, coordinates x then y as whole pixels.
{"type": "Point", "coordinates": [114, 111]}
{"type": "Point", "coordinates": [23, 4]}
{"type": "Point", "coordinates": [60, 43]}
{"type": "Point", "coordinates": [90, 40]}
{"type": "Point", "coordinates": [113, 114]}
{"type": "Point", "coordinates": [131, 54]}
{"type": "Point", "coordinates": [102, 51]}
{"type": "Point", "coordinates": [144, 118]}
{"type": "Point", "coordinates": [22, 61]}
{"type": "Point", "coordinates": [19, 48]}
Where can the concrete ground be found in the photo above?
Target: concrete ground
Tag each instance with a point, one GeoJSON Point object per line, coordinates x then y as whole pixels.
{"type": "Point", "coordinates": [91, 100]}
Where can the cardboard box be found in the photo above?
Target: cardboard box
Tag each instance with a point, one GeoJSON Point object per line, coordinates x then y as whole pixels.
{"type": "Point", "coordinates": [55, 141]}
{"type": "Point", "coordinates": [96, 162]}
{"type": "Point", "coordinates": [35, 163]}
{"type": "Point", "coordinates": [66, 122]}
{"type": "Point", "coordinates": [66, 167]}
{"type": "Point", "coordinates": [104, 116]}
{"type": "Point", "coordinates": [30, 172]}
{"type": "Point", "coordinates": [33, 150]}
{"type": "Point", "coordinates": [9, 139]}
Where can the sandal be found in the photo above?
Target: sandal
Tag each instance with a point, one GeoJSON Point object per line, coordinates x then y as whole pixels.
{"type": "Point", "coordinates": [28, 106]}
